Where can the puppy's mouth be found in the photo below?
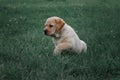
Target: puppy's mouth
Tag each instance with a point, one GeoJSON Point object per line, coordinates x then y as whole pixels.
{"type": "Point", "coordinates": [46, 32]}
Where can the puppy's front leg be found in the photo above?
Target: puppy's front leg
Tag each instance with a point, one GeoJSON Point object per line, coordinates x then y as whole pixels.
{"type": "Point", "coordinates": [60, 47]}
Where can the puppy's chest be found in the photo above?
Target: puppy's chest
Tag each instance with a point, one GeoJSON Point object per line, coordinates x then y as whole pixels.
{"type": "Point", "coordinates": [58, 41]}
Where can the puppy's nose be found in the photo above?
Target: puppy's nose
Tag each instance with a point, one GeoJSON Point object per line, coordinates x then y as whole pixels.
{"type": "Point", "coordinates": [45, 31]}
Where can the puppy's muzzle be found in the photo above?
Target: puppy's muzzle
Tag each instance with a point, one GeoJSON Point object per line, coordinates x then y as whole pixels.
{"type": "Point", "coordinates": [45, 31]}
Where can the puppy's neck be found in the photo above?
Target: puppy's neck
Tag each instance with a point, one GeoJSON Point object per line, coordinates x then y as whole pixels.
{"type": "Point", "coordinates": [56, 35]}
{"type": "Point", "coordinates": [63, 29]}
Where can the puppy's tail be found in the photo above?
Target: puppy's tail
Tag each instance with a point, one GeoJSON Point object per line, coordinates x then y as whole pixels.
{"type": "Point", "coordinates": [84, 45]}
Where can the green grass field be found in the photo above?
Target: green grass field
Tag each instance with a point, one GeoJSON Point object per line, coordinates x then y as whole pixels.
{"type": "Point", "coordinates": [27, 54]}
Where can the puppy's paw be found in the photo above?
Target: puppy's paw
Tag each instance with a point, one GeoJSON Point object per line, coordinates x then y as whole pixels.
{"type": "Point", "coordinates": [56, 52]}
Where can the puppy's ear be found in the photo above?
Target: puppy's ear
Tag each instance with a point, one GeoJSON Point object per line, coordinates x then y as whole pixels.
{"type": "Point", "coordinates": [60, 23]}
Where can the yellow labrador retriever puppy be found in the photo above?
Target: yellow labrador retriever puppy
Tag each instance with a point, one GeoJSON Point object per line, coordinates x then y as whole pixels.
{"type": "Point", "coordinates": [64, 36]}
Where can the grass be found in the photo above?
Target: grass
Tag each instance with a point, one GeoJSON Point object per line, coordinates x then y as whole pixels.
{"type": "Point", "coordinates": [27, 54]}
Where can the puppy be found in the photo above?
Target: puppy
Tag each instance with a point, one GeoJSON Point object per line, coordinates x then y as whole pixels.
{"type": "Point", "coordinates": [64, 37]}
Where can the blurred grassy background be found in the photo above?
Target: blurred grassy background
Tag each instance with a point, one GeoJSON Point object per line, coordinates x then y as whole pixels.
{"type": "Point", "coordinates": [26, 53]}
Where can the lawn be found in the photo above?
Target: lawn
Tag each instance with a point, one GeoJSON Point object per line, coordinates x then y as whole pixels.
{"type": "Point", "coordinates": [27, 54]}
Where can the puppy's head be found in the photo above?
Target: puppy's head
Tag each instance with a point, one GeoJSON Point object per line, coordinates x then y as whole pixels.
{"type": "Point", "coordinates": [53, 25]}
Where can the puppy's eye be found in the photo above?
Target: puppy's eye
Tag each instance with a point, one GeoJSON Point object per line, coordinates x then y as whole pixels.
{"type": "Point", "coordinates": [51, 25]}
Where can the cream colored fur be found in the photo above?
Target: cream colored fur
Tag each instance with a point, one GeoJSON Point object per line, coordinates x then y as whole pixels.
{"type": "Point", "coordinates": [66, 38]}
